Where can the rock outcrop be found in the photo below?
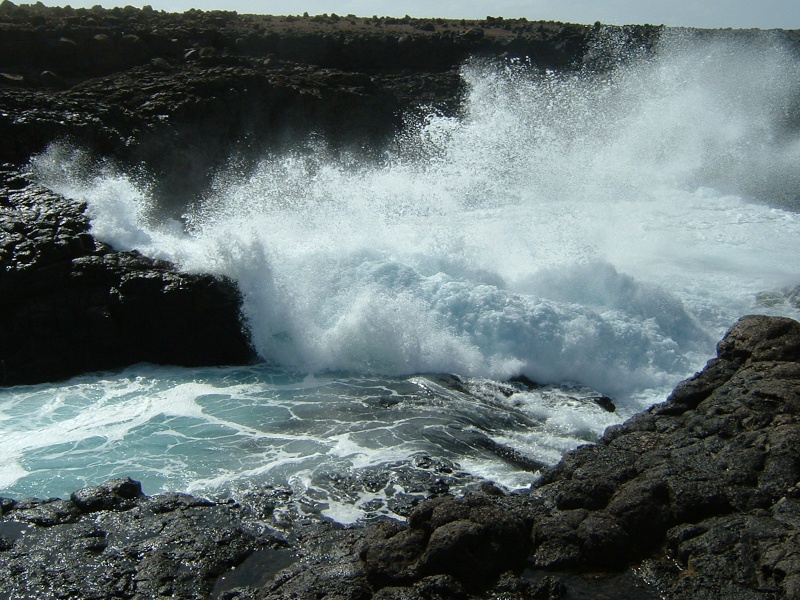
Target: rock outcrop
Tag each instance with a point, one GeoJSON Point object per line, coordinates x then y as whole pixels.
{"type": "Point", "coordinates": [702, 492]}
{"type": "Point", "coordinates": [114, 542]}
{"type": "Point", "coordinates": [69, 304]}
{"type": "Point", "coordinates": [710, 476]}
{"type": "Point", "coordinates": [697, 497]}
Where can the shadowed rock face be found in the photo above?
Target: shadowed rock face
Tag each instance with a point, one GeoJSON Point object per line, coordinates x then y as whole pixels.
{"type": "Point", "coordinates": [697, 497]}
{"type": "Point", "coordinates": [69, 304]}
{"type": "Point", "coordinates": [717, 460]}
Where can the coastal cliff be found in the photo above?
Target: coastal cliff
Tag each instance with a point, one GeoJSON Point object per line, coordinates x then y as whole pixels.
{"type": "Point", "coordinates": [180, 94]}
{"type": "Point", "coordinates": [696, 497]}
{"type": "Point", "coordinates": [175, 97]}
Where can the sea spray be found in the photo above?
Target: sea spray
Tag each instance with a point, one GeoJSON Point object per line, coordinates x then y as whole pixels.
{"type": "Point", "coordinates": [599, 226]}
{"type": "Point", "coordinates": [458, 250]}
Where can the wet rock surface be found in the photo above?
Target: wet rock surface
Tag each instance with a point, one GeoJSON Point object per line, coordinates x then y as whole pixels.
{"type": "Point", "coordinates": [697, 497]}
{"type": "Point", "coordinates": [114, 542]}
{"type": "Point", "coordinates": [70, 304]}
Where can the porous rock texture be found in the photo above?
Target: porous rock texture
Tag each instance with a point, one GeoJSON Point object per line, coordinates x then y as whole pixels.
{"type": "Point", "coordinates": [70, 304]}
{"type": "Point", "coordinates": [113, 542]}
{"type": "Point", "coordinates": [697, 497]}
{"type": "Point", "coordinates": [709, 477]}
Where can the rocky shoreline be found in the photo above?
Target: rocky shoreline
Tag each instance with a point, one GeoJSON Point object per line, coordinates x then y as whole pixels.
{"type": "Point", "coordinates": [697, 497]}
{"type": "Point", "coordinates": [70, 304]}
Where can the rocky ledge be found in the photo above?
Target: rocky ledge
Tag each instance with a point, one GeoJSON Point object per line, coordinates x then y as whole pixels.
{"type": "Point", "coordinates": [697, 497]}
{"type": "Point", "coordinates": [180, 94]}
{"type": "Point", "coordinates": [70, 304]}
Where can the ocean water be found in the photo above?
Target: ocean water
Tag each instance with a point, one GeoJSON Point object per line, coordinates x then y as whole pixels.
{"type": "Point", "coordinates": [596, 231]}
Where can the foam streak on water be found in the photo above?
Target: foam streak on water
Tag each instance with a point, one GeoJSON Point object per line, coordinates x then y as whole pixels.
{"type": "Point", "coordinates": [603, 228]}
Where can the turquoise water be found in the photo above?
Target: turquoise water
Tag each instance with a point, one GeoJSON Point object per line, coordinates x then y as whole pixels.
{"type": "Point", "coordinates": [225, 431]}
{"type": "Point", "coordinates": [598, 230]}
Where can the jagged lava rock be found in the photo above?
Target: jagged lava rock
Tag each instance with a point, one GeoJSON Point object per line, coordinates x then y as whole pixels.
{"type": "Point", "coordinates": [114, 542]}
{"type": "Point", "coordinates": [719, 460]}
{"type": "Point", "coordinates": [701, 492]}
{"type": "Point", "coordinates": [69, 304]}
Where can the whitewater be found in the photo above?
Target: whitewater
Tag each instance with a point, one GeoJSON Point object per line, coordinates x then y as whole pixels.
{"type": "Point", "coordinates": [596, 231]}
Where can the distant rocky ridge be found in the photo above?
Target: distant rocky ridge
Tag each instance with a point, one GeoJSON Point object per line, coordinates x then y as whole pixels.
{"type": "Point", "coordinates": [181, 94]}
{"type": "Point", "coordinates": [697, 497]}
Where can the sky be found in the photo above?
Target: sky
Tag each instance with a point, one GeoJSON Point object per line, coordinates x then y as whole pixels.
{"type": "Point", "coordinates": [765, 14]}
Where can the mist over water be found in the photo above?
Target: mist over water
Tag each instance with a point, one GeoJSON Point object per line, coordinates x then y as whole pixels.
{"type": "Point", "coordinates": [602, 227]}
{"type": "Point", "coordinates": [598, 227]}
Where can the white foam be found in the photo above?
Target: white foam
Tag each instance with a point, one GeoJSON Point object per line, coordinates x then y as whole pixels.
{"type": "Point", "coordinates": [343, 513]}
{"type": "Point", "coordinates": [601, 228]}
{"type": "Point", "coordinates": [582, 227]}
{"type": "Point", "coordinates": [500, 473]}
{"type": "Point", "coordinates": [10, 472]}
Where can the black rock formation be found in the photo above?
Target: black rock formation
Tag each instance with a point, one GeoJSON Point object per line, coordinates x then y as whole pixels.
{"type": "Point", "coordinates": [180, 94]}
{"type": "Point", "coordinates": [697, 497]}
{"type": "Point", "coordinates": [69, 304]}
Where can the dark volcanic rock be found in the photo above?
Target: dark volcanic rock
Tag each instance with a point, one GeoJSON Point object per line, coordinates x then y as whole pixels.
{"type": "Point", "coordinates": [698, 497]}
{"type": "Point", "coordinates": [126, 546]}
{"type": "Point", "coordinates": [719, 460]}
{"type": "Point", "coordinates": [472, 539]}
{"type": "Point", "coordinates": [116, 493]}
{"type": "Point", "coordinates": [69, 304]}
{"type": "Point", "coordinates": [182, 93]}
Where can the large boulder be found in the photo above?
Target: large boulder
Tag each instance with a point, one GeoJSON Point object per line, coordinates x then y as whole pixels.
{"type": "Point", "coordinates": [69, 304]}
{"type": "Point", "coordinates": [471, 539]}
{"type": "Point", "coordinates": [711, 476]}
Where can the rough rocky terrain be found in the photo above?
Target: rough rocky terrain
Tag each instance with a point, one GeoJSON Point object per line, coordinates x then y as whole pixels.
{"type": "Point", "coordinates": [697, 497]}
{"type": "Point", "coordinates": [70, 304]}
{"type": "Point", "coordinates": [182, 93]}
